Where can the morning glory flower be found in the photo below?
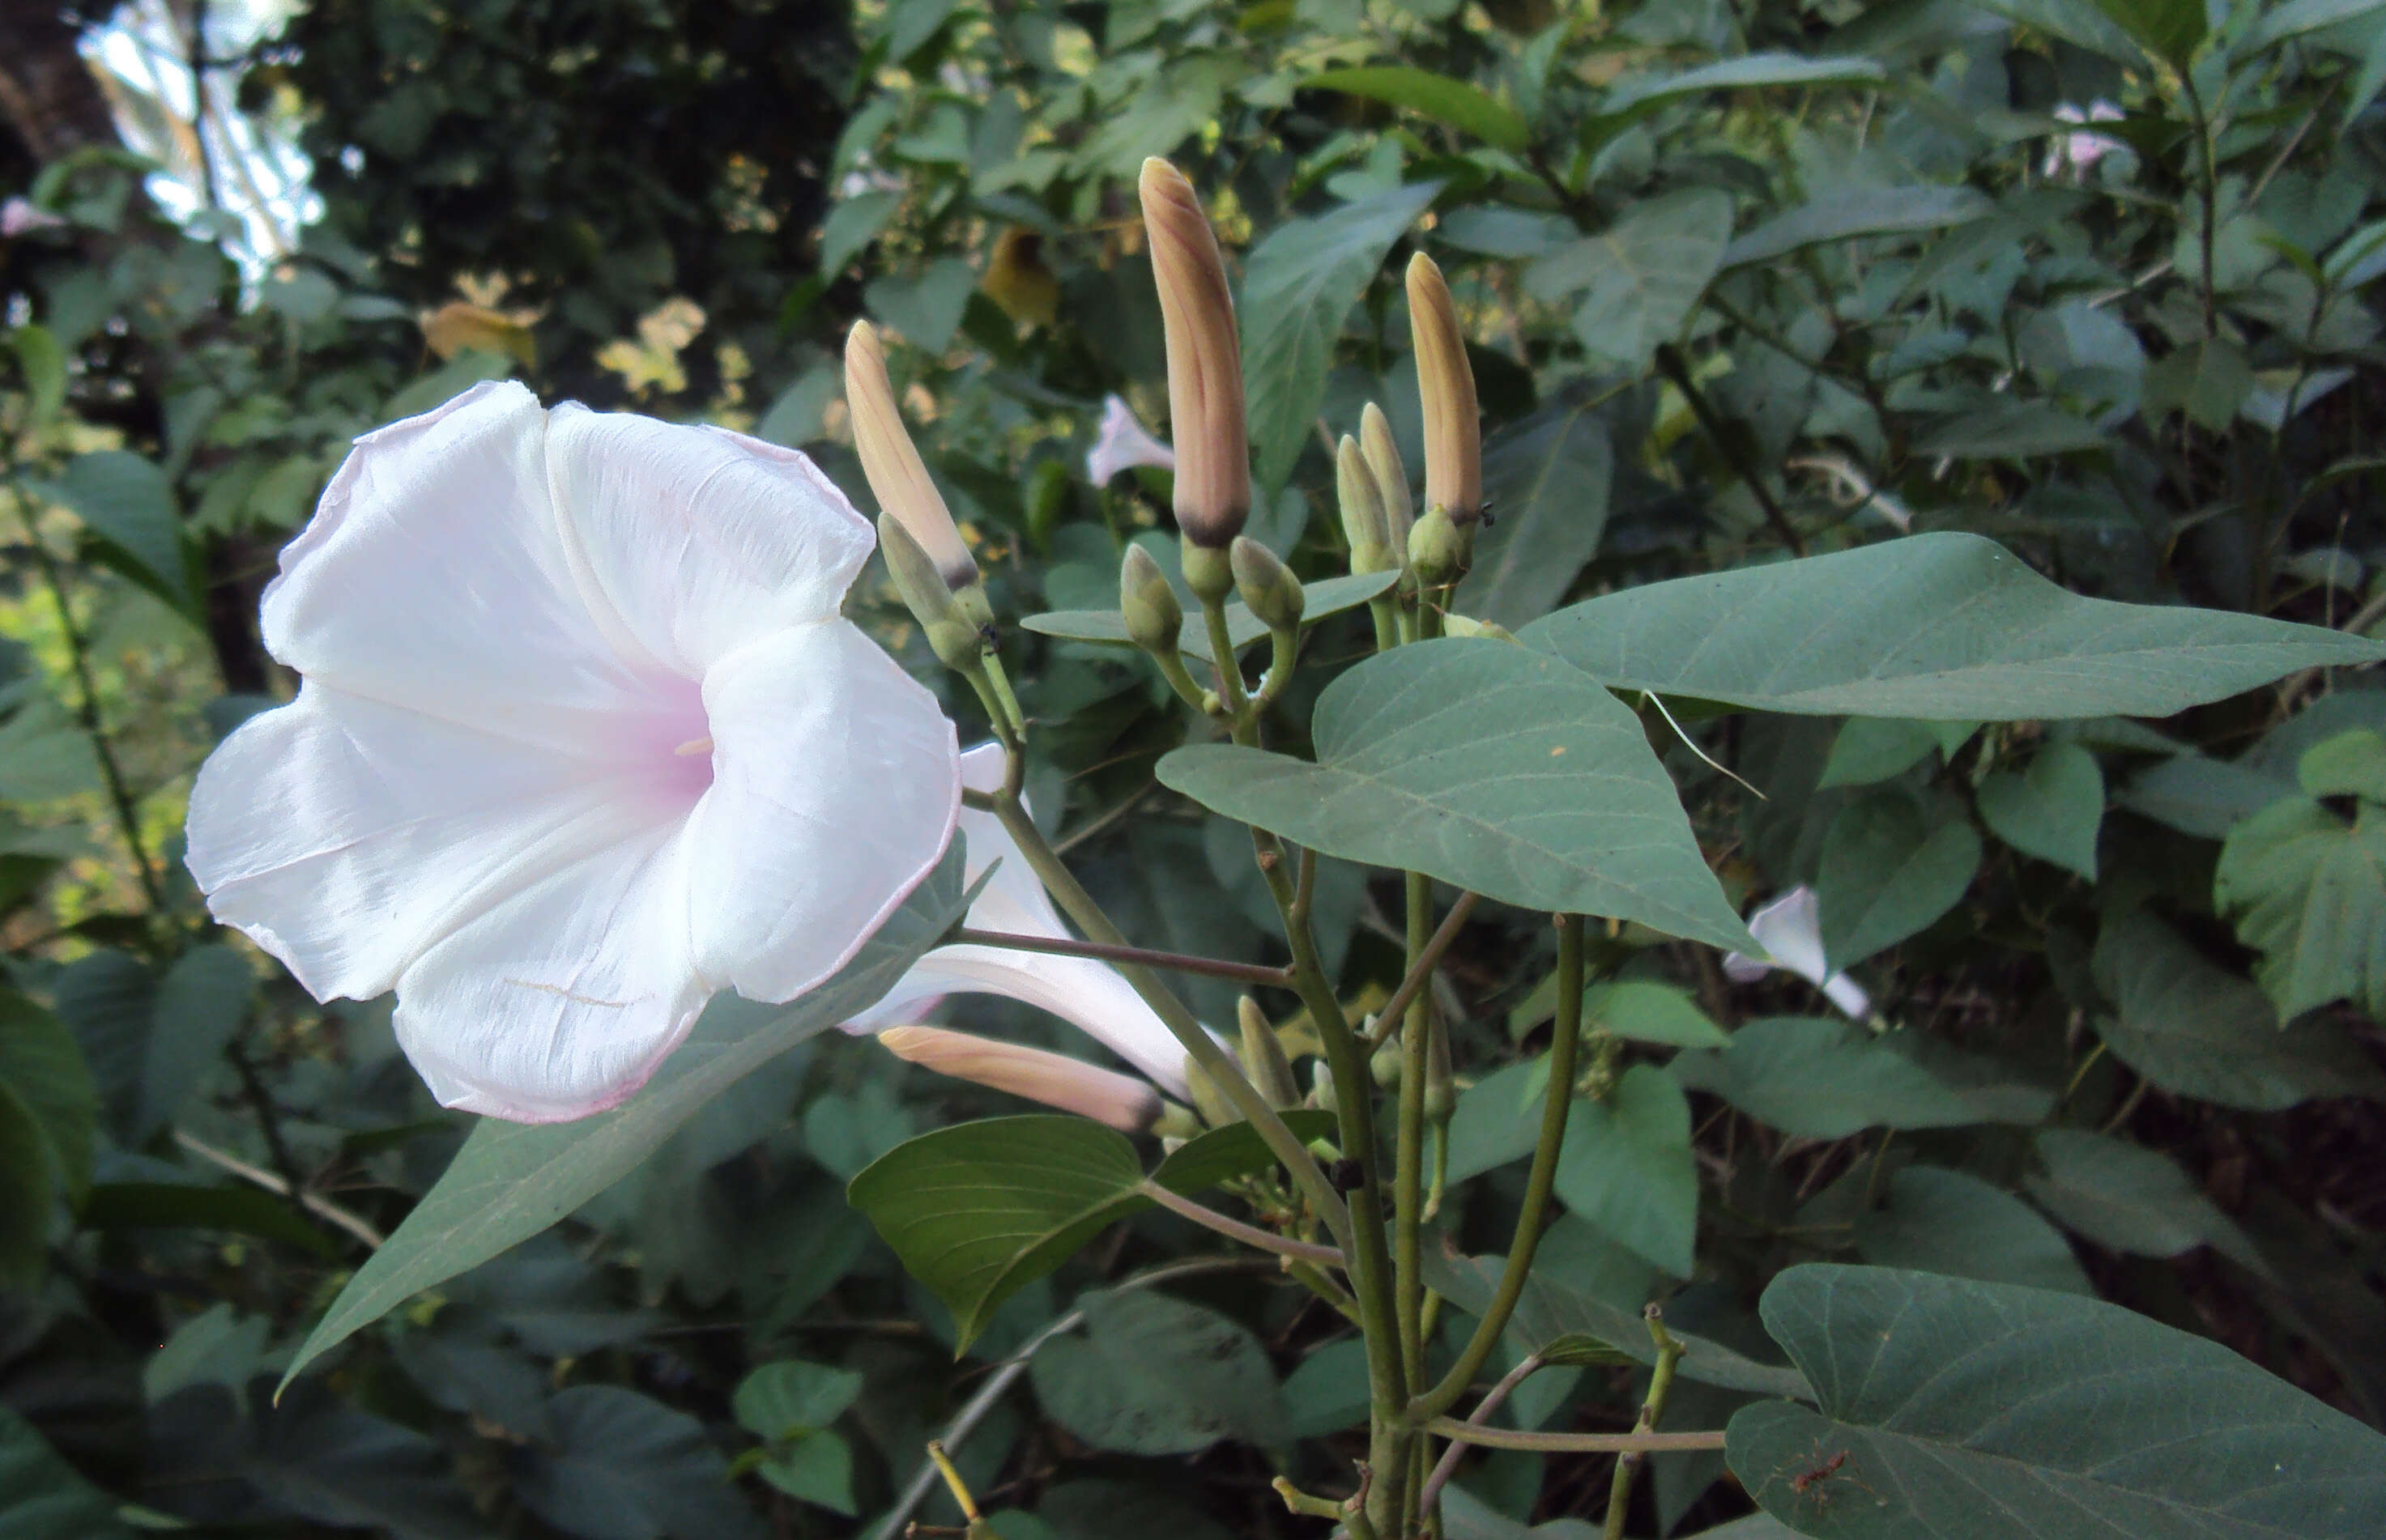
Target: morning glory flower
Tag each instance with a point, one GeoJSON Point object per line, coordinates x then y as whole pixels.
{"type": "Point", "coordinates": [581, 740]}
{"type": "Point", "coordinates": [1791, 929]}
{"type": "Point", "coordinates": [1093, 996]}
{"type": "Point", "coordinates": [1122, 443]}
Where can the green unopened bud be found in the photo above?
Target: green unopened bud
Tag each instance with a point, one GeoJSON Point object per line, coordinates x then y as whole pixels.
{"type": "Point", "coordinates": [1453, 427]}
{"type": "Point", "coordinates": [1268, 588]}
{"type": "Point", "coordinates": [1320, 1088]}
{"type": "Point", "coordinates": [1440, 1082]}
{"type": "Point", "coordinates": [1263, 1057]}
{"type": "Point", "coordinates": [1437, 549]}
{"type": "Point", "coordinates": [1154, 616]}
{"type": "Point", "coordinates": [959, 642]}
{"type": "Point", "coordinates": [1362, 511]}
{"type": "Point", "coordinates": [1208, 571]}
{"type": "Point", "coordinates": [1466, 625]}
{"type": "Point", "coordinates": [1205, 365]}
{"type": "Point", "coordinates": [897, 477]}
{"type": "Point", "coordinates": [1391, 476]}
{"type": "Point", "coordinates": [1386, 1065]}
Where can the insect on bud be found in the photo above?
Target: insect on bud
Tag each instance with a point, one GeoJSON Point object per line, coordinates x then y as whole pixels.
{"type": "Point", "coordinates": [1437, 549]}
{"type": "Point", "coordinates": [1362, 511]}
{"type": "Point", "coordinates": [1268, 588]}
{"type": "Point", "coordinates": [1205, 364]}
{"type": "Point", "coordinates": [1154, 616]}
{"type": "Point", "coordinates": [1391, 477]}
{"type": "Point", "coordinates": [897, 477]}
{"type": "Point", "coordinates": [1454, 427]}
{"type": "Point", "coordinates": [1263, 1057]}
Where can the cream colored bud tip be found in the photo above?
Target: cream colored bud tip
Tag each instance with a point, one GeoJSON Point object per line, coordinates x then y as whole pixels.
{"type": "Point", "coordinates": [897, 477]}
{"type": "Point", "coordinates": [1056, 1080]}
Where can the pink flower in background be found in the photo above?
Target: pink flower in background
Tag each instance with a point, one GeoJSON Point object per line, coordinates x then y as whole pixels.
{"type": "Point", "coordinates": [20, 215]}
{"type": "Point", "coordinates": [1122, 443]}
{"type": "Point", "coordinates": [1791, 929]}
{"type": "Point", "coordinates": [582, 739]}
{"type": "Point", "coordinates": [2078, 152]}
{"type": "Point", "coordinates": [1091, 995]}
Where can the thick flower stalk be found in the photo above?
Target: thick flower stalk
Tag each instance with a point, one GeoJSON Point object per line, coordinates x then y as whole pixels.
{"type": "Point", "coordinates": [581, 740]}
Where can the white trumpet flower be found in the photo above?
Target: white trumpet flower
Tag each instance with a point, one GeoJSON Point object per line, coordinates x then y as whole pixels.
{"type": "Point", "coordinates": [1791, 929]}
{"type": "Point", "coordinates": [582, 739]}
{"type": "Point", "coordinates": [1122, 443]}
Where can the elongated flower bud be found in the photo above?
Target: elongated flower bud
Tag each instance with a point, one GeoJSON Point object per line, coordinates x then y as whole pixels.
{"type": "Point", "coordinates": [1391, 476]}
{"type": "Point", "coordinates": [1154, 615]}
{"type": "Point", "coordinates": [1268, 588]}
{"type": "Point", "coordinates": [1056, 1080]}
{"type": "Point", "coordinates": [1205, 361]}
{"type": "Point", "coordinates": [1454, 427]}
{"type": "Point", "coordinates": [899, 479]}
{"type": "Point", "coordinates": [1263, 1057]}
{"type": "Point", "coordinates": [959, 645]}
{"type": "Point", "coordinates": [1362, 510]}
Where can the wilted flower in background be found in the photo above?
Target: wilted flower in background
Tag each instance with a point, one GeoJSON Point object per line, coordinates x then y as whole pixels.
{"type": "Point", "coordinates": [1791, 930]}
{"type": "Point", "coordinates": [582, 739]}
{"type": "Point", "coordinates": [1092, 995]}
{"type": "Point", "coordinates": [1122, 443]}
{"type": "Point", "coordinates": [2078, 152]}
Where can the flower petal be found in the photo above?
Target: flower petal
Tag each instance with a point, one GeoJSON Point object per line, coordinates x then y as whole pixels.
{"type": "Point", "coordinates": [1091, 995]}
{"type": "Point", "coordinates": [561, 1001]}
{"type": "Point", "coordinates": [344, 836]}
{"type": "Point", "coordinates": [1791, 929]}
{"type": "Point", "coordinates": [433, 576]}
{"type": "Point", "coordinates": [835, 782]}
{"type": "Point", "coordinates": [700, 540]}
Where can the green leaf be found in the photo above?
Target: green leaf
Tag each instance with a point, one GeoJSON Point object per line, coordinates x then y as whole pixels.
{"type": "Point", "coordinates": [1550, 1310]}
{"type": "Point", "coordinates": [43, 1065]}
{"type": "Point", "coordinates": [852, 225]}
{"type": "Point", "coordinates": [1297, 289]}
{"type": "Point", "coordinates": [978, 1210]}
{"type": "Point", "coordinates": [1888, 872]}
{"type": "Point", "coordinates": [2297, 17]}
{"type": "Point", "coordinates": [1939, 627]}
{"type": "Point", "coordinates": [1154, 1375]}
{"type": "Point", "coordinates": [1873, 749]}
{"type": "Point", "coordinates": [44, 364]}
{"type": "Point", "coordinates": [2307, 887]}
{"type": "Point", "coordinates": [1938, 1220]}
{"type": "Point", "coordinates": [1497, 1119]}
{"type": "Point", "coordinates": [1641, 277]}
{"type": "Point", "coordinates": [925, 307]}
{"type": "Point", "coordinates": [1546, 479]}
{"type": "Point", "coordinates": [2050, 810]}
{"type": "Point", "coordinates": [2085, 23]}
{"type": "Point", "coordinates": [1581, 1350]}
{"type": "Point", "coordinates": [174, 1206]}
{"type": "Point", "coordinates": [127, 502]}
{"type": "Point", "coordinates": [200, 1004]}
{"type": "Point", "coordinates": [1750, 71]}
{"type": "Point", "coordinates": [817, 1469]}
{"type": "Point", "coordinates": [1444, 100]}
{"type": "Point", "coordinates": [1644, 1011]}
{"type": "Point", "coordinates": [1860, 211]}
{"type": "Point", "coordinates": [1628, 1170]}
{"type": "Point", "coordinates": [792, 1397]}
{"type": "Point", "coordinates": [1487, 766]}
{"type": "Point", "coordinates": [1817, 1078]}
{"type": "Point", "coordinates": [2002, 1413]}
{"type": "Point", "coordinates": [2170, 30]}
{"type": "Point", "coordinates": [2128, 1197]}
{"type": "Point", "coordinates": [2351, 763]}
{"type": "Point", "coordinates": [2208, 380]}
{"type": "Point", "coordinates": [43, 1497]}
{"type": "Point", "coordinates": [628, 1467]}
{"type": "Point", "coordinates": [2008, 429]}
{"type": "Point", "coordinates": [29, 1194]}
{"type": "Point", "coordinates": [1109, 627]}
{"type": "Point", "coordinates": [2201, 1030]}
{"type": "Point", "coordinates": [510, 1181]}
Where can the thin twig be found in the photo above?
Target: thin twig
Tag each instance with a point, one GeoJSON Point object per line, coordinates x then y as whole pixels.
{"type": "Point", "coordinates": [1491, 1403]}
{"type": "Point", "coordinates": [1181, 962]}
{"type": "Point", "coordinates": [1576, 1444]}
{"type": "Point", "coordinates": [1388, 1019]}
{"type": "Point", "coordinates": [323, 1208]}
{"type": "Point", "coordinates": [1249, 1234]}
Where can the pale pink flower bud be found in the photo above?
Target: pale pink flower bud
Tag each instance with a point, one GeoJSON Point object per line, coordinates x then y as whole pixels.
{"type": "Point", "coordinates": [1453, 429]}
{"type": "Point", "coordinates": [899, 479]}
{"type": "Point", "coordinates": [1056, 1080]}
{"type": "Point", "coordinates": [1205, 361]}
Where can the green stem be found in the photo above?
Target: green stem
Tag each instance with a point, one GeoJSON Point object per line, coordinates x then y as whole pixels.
{"type": "Point", "coordinates": [1538, 1184]}
{"type": "Point", "coordinates": [1408, 1171]}
{"type": "Point", "coordinates": [1652, 1407]}
{"type": "Point", "coordinates": [1249, 1234]}
{"type": "Point", "coordinates": [2210, 188]}
{"type": "Point", "coordinates": [1213, 1060]}
{"type": "Point", "coordinates": [1421, 969]}
{"type": "Point", "coordinates": [1229, 667]}
{"type": "Point", "coordinates": [1575, 1444]}
{"type": "Point", "coordinates": [1387, 614]}
{"type": "Point", "coordinates": [1181, 962]}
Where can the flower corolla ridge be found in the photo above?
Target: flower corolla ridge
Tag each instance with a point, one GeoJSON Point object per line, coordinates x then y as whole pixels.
{"type": "Point", "coordinates": [580, 739]}
{"type": "Point", "coordinates": [1122, 443]}
{"type": "Point", "coordinates": [1091, 995]}
{"type": "Point", "coordinates": [1790, 928]}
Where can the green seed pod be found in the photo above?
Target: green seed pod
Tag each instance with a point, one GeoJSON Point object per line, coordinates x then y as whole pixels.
{"type": "Point", "coordinates": [1266, 585]}
{"type": "Point", "coordinates": [1386, 1065]}
{"type": "Point", "coordinates": [1209, 571]}
{"type": "Point", "coordinates": [1154, 615]}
